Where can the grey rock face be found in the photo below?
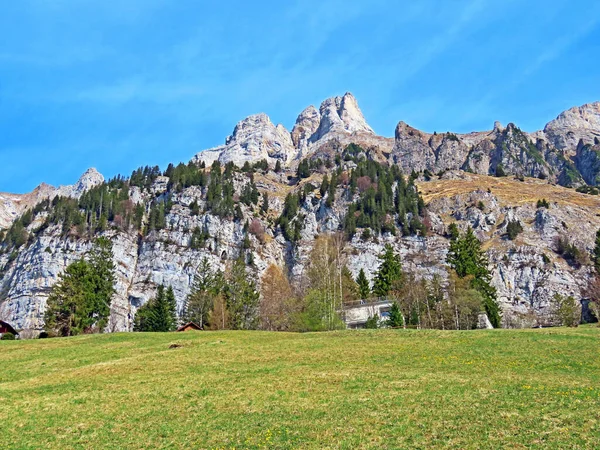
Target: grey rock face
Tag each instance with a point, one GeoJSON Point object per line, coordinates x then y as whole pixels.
{"type": "Point", "coordinates": [91, 178]}
{"type": "Point", "coordinates": [306, 126]}
{"type": "Point", "coordinates": [573, 125]}
{"type": "Point", "coordinates": [587, 161]}
{"type": "Point", "coordinates": [254, 138]}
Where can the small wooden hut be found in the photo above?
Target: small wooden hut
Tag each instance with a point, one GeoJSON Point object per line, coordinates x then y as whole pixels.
{"type": "Point", "coordinates": [190, 326]}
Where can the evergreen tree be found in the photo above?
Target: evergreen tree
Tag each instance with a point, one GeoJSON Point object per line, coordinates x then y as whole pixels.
{"type": "Point", "coordinates": [102, 281]}
{"type": "Point", "coordinates": [453, 232]}
{"type": "Point", "coordinates": [200, 301]}
{"type": "Point", "coordinates": [143, 317]}
{"type": "Point", "coordinates": [466, 257]}
{"type": "Point", "coordinates": [364, 290]}
{"type": "Point", "coordinates": [395, 319]}
{"type": "Point", "coordinates": [265, 204]}
{"type": "Point", "coordinates": [389, 275]}
{"type": "Point", "coordinates": [324, 186]}
{"type": "Point", "coordinates": [159, 314]}
{"type": "Point", "coordinates": [241, 297]}
{"type": "Point", "coordinates": [596, 254]}
{"type": "Point", "coordinates": [67, 299]}
{"type": "Point", "coordinates": [303, 169]}
{"type": "Point", "coordinates": [278, 166]}
{"type": "Point", "coordinates": [80, 300]}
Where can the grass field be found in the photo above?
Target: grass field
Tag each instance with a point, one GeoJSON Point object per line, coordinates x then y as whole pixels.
{"type": "Point", "coordinates": [352, 389]}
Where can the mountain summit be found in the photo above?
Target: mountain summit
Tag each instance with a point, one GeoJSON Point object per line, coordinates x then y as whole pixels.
{"type": "Point", "coordinates": [256, 137]}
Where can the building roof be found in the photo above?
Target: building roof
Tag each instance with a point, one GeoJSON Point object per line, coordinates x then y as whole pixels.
{"type": "Point", "coordinates": [8, 326]}
{"type": "Point", "coordinates": [189, 325]}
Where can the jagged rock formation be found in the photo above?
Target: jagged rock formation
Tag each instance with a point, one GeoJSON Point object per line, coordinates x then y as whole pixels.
{"type": "Point", "coordinates": [526, 271]}
{"type": "Point", "coordinates": [253, 139]}
{"type": "Point", "coordinates": [256, 138]}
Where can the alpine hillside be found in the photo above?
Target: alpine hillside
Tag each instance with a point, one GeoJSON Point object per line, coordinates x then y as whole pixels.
{"type": "Point", "coordinates": [268, 193]}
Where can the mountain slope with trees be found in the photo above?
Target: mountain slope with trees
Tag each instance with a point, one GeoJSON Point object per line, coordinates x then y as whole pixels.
{"type": "Point", "coordinates": [290, 239]}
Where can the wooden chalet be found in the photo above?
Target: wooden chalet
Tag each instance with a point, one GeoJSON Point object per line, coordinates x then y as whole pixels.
{"type": "Point", "coordinates": [190, 326]}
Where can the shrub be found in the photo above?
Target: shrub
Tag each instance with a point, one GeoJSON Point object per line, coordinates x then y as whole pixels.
{"type": "Point", "coordinates": [513, 228]}
{"type": "Point", "coordinates": [569, 251]}
{"type": "Point", "coordinates": [363, 183]}
{"type": "Point", "coordinates": [257, 229]}
{"type": "Point", "coordinates": [8, 337]}
{"type": "Point", "coordinates": [587, 190]}
{"type": "Point", "coordinates": [543, 203]}
{"type": "Point", "coordinates": [565, 311]}
{"type": "Point", "coordinates": [372, 322]}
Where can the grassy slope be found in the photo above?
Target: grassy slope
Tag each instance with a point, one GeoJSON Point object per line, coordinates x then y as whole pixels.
{"type": "Point", "coordinates": [353, 389]}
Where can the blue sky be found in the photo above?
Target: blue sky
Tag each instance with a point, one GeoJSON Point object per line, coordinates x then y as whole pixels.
{"type": "Point", "coordinates": [116, 85]}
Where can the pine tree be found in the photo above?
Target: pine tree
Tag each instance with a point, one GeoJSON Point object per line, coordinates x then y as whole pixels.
{"type": "Point", "coordinates": [159, 314]}
{"type": "Point", "coordinates": [596, 254]}
{"type": "Point", "coordinates": [324, 186]}
{"type": "Point", "coordinates": [200, 301]}
{"type": "Point", "coordinates": [395, 319]}
{"type": "Point", "coordinates": [80, 301]}
{"type": "Point", "coordinates": [103, 281]}
{"type": "Point", "coordinates": [265, 204]}
{"type": "Point", "coordinates": [467, 259]}
{"type": "Point", "coordinates": [241, 297]}
{"type": "Point", "coordinates": [364, 290]}
{"type": "Point", "coordinates": [278, 166]}
{"type": "Point", "coordinates": [389, 274]}
{"type": "Point", "coordinates": [67, 299]}
{"type": "Point", "coordinates": [303, 169]}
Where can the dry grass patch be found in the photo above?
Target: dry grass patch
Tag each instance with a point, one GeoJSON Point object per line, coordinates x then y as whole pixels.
{"type": "Point", "coordinates": [508, 190]}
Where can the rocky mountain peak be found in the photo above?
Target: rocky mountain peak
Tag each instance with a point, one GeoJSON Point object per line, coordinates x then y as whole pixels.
{"type": "Point", "coordinates": [403, 130]}
{"type": "Point", "coordinates": [249, 126]}
{"type": "Point", "coordinates": [341, 114]}
{"type": "Point", "coordinates": [580, 122]}
{"type": "Point", "coordinates": [256, 137]}
{"type": "Point", "coordinates": [253, 139]}
{"type": "Point", "coordinates": [352, 116]}
{"type": "Point", "coordinates": [306, 125]}
{"type": "Point", "coordinates": [90, 178]}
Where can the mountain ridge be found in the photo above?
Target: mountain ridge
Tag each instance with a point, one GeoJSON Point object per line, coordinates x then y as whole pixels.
{"type": "Point", "coordinates": [474, 180]}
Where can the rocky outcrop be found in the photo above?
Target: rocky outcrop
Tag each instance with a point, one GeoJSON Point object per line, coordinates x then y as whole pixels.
{"type": "Point", "coordinates": [587, 160]}
{"type": "Point", "coordinates": [341, 114]}
{"type": "Point", "coordinates": [306, 126]}
{"type": "Point", "coordinates": [576, 124]}
{"type": "Point", "coordinates": [254, 138]}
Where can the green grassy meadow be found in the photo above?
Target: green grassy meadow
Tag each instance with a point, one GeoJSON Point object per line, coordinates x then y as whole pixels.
{"type": "Point", "coordinates": [352, 389]}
